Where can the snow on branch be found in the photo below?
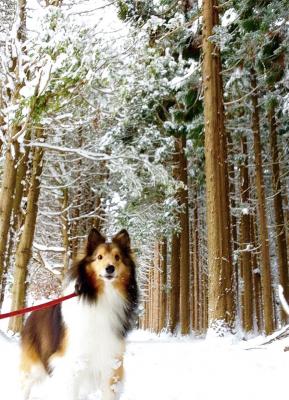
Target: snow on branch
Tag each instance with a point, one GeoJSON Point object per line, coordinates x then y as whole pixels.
{"type": "Point", "coordinates": [54, 249]}
{"type": "Point", "coordinates": [53, 270]}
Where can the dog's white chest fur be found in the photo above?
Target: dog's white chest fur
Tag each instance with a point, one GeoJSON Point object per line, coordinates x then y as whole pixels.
{"type": "Point", "coordinates": [93, 342]}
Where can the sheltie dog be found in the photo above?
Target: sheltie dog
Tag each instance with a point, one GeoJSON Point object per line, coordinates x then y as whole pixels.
{"type": "Point", "coordinates": [80, 344]}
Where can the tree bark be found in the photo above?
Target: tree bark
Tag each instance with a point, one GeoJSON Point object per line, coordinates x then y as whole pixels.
{"type": "Point", "coordinates": [221, 305]}
{"type": "Point", "coordinates": [256, 274]}
{"type": "Point", "coordinates": [286, 217]}
{"type": "Point", "coordinates": [17, 216]}
{"type": "Point", "coordinates": [278, 210]}
{"type": "Point", "coordinates": [184, 241]}
{"type": "Point", "coordinates": [197, 284]}
{"type": "Point", "coordinates": [203, 264]}
{"type": "Point", "coordinates": [175, 283]}
{"type": "Point", "coordinates": [245, 241]}
{"type": "Point", "coordinates": [150, 299]}
{"type": "Point", "coordinates": [74, 227]}
{"type": "Point", "coordinates": [205, 302]}
{"type": "Point", "coordinates": [21, 31]}
{"type": "Point", "coordinates": [23, 252]}
{"type": "Point", "coordinates": [65, 232]}
{"type": "Point", "coordinates": [6, 194]}
{"type": "Point", "coordinates": [265, 256]}
{"type": "Point", "coordinates": [156, 289]}
{"type": "Point", "coordinates": [12, 151]}
{"type": "Point", "coordinates": [163, 295]}
{"type": "Point", "coordinates": [234, 222]}
{"type": "Point", "coordinates": [146, 314]}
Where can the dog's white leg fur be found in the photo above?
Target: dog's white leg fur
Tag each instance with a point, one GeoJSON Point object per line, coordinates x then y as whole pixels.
{"type": "Point", "coordinates": [25, 386]}
{"type": "Point", "coordinates": [116, 389]}
{"type": "Point", "coordinates": [64, 381]}
{"type": "Point", "coordinates": [27, 379]}
{"type": "Point", "coordinates": [112, 382]}
{"type": "Point", "coordinates": [61, 389]}
{"type": "Point", "coordinates": [111, 391]}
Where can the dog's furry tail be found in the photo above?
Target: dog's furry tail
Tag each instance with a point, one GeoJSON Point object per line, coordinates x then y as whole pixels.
{"type": "Point", "coordinates": [283, 301]}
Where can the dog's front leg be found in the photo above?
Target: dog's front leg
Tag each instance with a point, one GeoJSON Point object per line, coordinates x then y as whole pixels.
{"type": "Point", "coordinates": [65, 390]}
{"type": "Point", "coordinates": [63, 384]}
{"type": "Point", "coordinates": [25, 386]}
{"type": "Point", "coordinates": [30, 373]}
{"type": "Point", "coordinates": [112, 387]}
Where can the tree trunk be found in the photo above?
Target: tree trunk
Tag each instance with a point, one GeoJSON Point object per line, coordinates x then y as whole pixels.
{"type": "Point", "coordinates": [184, 241]}
{"type": "Point", "coordinates": [221, 305]}
{"type": "Point", "coordinates": [17, 216]}
{"type": "Point", "coordinates": [203, 265]}
{"type": "Point", "coordinates": [21, 32]}
{"type": "Point", "coordinates": [175, 283]}
{"type": "Point", "coordinates": [159, 291]}
{"type": "Point", "coordinates": [197, 287]}
{"type": "Point", "coordinates": [12, 151]}
{"type": "Point", "coordinates": [74, 226]}
{"type": "Point", "coordinates": [163, 295]}
{"type": "Point", "coordinates": [23, 252]}
{"type": "Point", "coordinates": [205, 319]}
{"type": "Point", "coordinates": [245, 241]}
{"type": "Point", "coordinates": [65, 232]}
{"type": "Point", "coordinates": [156, 288]}
{"type": "Point", "coordinates": [256, 274]}
{"type": "Point", "coordinates": [234, 222]}
{"type": "Point", "coordinates": [151, 297]}
{"type": "Point", "coordinates": [6, 194]}
{"type": "Point", "coordinates": [146, 314]}
{"type": "Point", "coordinates": [286, 218]}
{"type": "Point", "coordinates": [278, 209]}
{"type": "Point", "coordinates": [265, 256]}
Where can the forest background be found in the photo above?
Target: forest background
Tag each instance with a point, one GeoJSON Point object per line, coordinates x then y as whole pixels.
{"type": "Point", "coordinates": [167, 118]}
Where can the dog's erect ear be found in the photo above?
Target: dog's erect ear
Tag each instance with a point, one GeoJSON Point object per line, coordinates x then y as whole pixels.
{"type": "Point", "coordinates": [122, 239]}
{"type": "Point", "coordinates": [94, 239]}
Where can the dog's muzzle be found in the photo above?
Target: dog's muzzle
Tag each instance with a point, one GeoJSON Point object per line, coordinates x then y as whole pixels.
{"type": "Point", "coordinates": [109, 271]}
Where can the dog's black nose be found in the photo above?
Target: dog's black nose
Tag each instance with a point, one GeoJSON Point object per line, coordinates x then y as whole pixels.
{"type": "Point", "coordinates": [110, 269]}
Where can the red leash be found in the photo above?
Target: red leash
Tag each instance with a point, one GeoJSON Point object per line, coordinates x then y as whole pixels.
{"type": "Point", "coordinates": [38, 307]}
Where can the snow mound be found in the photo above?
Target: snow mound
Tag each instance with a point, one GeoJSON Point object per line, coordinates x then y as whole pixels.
{"type": "Point", "coordinates": [9, 350]}
{"type": "Point", "coordinates": [165, 367]}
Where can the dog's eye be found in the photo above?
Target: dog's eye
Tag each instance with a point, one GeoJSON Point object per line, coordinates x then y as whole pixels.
{"type": "Point", "coordinates": [99, 257]}
{"type": "Point", "coordinates": [117, 257]}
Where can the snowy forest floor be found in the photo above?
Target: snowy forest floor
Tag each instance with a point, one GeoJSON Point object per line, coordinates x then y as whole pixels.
{"type": "Point", "coordinates": [172, 368]}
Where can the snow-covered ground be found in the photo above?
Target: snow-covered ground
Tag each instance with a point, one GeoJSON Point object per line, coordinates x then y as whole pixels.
{"type": "Point", "coordinates": [170, 368]}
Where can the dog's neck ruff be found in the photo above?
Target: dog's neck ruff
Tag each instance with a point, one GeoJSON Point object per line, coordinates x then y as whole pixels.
{"type": "Point", "coordinates": [107, 312]}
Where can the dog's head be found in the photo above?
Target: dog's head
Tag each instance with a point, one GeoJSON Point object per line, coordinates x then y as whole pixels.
{"type": "Point", "coordinates": [105, 263]}
{"type": "Point", "coordinates": [108, 260]}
